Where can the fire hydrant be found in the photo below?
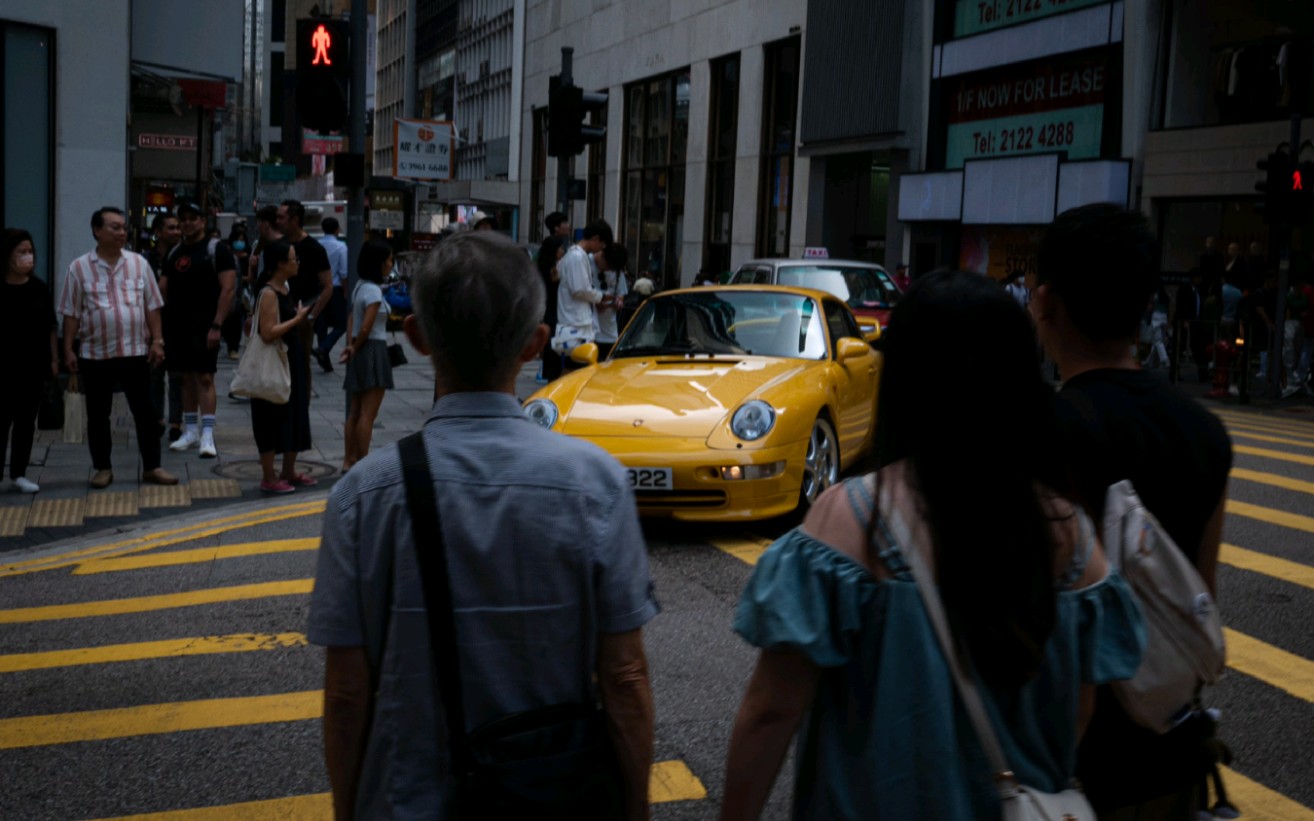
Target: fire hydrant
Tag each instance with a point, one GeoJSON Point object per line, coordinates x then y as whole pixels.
{"type": "Point", "coordinates": [1223, 352]}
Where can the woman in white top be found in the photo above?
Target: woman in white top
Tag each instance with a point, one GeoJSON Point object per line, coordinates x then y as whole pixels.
{"type": "Point", "coordinates": [369, 371]}
{"type": "Point", "coordinates": [611, 262]}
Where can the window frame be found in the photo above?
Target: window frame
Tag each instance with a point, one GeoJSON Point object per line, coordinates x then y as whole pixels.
{"type": "Point", "coordinates": [776, 54]}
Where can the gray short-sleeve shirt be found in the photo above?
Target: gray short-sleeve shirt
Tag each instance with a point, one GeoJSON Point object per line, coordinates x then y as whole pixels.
{"type": "Point", "coordinates": [544, 552]}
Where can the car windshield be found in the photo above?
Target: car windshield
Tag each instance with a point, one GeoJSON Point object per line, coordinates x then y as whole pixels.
{"type": "Point", "coordinates": [859, 287]}
{"type": "Point", "coordinates": [726, 323]}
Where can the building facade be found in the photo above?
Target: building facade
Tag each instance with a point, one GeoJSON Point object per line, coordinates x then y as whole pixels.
{"type": "Point", "coordinates": [64, 72]}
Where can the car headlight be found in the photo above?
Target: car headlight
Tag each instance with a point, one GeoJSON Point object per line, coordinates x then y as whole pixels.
{"type": "Point", "coordinates": [542, 412]}
{"type": "Point", "coordinates": [753, 420]}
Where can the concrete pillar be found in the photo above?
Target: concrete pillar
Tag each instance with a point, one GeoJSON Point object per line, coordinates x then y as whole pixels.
{"type": "Point", "coordinates": [748, 159]}
{"type": "Point", "coordinates": [695, 171]}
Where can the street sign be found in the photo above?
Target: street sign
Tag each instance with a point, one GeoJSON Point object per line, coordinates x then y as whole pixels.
{"type": "Point", "coordinates": [381, 220]}
{"type": "Point", "coordinates": [422, 149]}
{"type": "Point", "coordinates": [322, 144]}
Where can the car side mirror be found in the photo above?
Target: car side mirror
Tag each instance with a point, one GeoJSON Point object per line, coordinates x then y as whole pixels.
{"type": "Point", "coordinates": [585, 353]}
{"type": "Point", "coordinates": [873, 333]}
{"type": "Point", "coordinates": [850, 348]}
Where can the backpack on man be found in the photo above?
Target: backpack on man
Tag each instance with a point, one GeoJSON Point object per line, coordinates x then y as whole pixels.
{"type": "Point", "coordinates": [1184, 648]}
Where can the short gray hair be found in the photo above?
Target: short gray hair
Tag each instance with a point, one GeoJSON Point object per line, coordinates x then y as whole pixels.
{"type": "Point", "coordinates": [478, 300]}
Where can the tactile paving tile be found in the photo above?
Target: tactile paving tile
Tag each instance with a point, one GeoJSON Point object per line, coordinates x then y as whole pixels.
{"type": "Point", "coordinates": [215, 489]}
{"type": "Point", "coordinates": [165, 496]}
{"type": "Point", "coordinates": [57, 513]}
{"type": "Point", "coordinates": [13, 520]}
{"type": "Point", "coordinates": [111, 504]}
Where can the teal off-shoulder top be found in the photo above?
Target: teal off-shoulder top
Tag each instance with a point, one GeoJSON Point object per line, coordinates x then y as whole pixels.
{"type": "Point", "coordinates": [886, 736]}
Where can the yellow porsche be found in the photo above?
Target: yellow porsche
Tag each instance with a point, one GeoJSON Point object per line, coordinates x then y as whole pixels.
{"type": "Point", "coordinates": [726, 403]}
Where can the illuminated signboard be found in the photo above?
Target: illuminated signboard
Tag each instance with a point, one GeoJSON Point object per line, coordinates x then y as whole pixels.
{"type": "Point", "coordinates": [976, 16]}
{"type": "Point", "coordinates": [1054, 105]}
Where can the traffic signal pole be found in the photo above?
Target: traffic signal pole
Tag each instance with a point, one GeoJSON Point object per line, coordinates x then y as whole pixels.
{"type": "Point", "coordinates": [564, 160]}
{"type": "Point", "coordinates": [356, 136]}
{"type": "Point", "coordinates": [1275, 341]}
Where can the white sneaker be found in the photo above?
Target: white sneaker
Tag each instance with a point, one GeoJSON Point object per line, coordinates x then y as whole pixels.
{"type": "Point", "coordinates": [26, 485]}
{"type": "Point", "coordinates": [1290, 391]}
{"type": "Point", "coordinates": [188, 440]}
{"type": "Point", "coordinates": [207, 445]}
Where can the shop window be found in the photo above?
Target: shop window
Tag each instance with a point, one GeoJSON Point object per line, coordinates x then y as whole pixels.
{"type": "Point", "coordinates": [26, 132]}
{"type": "Point", "coordinates": [779, 119]}
{"type": "Point", "coordinates": [722, 143]}
{"type": "Point", "coordinates": [597, 177]}
{"type": "Point", "coordinates": [656, 139]}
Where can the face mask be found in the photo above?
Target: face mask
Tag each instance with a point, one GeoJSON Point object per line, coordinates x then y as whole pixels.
{"type": "Point", "coordinates": [25, 263]}
{"type": "Point", "coordinates": [239, 245]}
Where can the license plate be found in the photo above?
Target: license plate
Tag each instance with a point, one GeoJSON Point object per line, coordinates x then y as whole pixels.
{"type": "Point", "coordinates": [651, 478]}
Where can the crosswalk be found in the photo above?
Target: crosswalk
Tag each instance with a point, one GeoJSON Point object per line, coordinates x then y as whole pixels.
{"type": "Point", "coordinates": [102, 663]}
{"type": "Point", "coordinates": [1279, 555]}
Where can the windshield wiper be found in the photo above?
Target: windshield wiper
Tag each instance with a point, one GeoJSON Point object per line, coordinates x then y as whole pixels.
{"type": "Point", "coordinates": [653, 350]}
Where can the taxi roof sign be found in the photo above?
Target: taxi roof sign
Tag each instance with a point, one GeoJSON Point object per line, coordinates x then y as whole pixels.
{"type": "Point", "coordinates": [816, 253]}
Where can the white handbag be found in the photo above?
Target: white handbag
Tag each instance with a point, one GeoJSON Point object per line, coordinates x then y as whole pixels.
{"type": "Point", "coordinates": [1018, 801]}
{"type": "Point", "coordinates": [263, 371]}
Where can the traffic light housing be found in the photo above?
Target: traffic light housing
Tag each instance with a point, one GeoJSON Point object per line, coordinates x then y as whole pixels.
{"type": "Point", "coordinates": [1276, 187]}
{"type": "Point", "coordinates": [1301, 192]}
{"type": "Point", "coordinates": [323, 74]}
{"type": "Point", "coordinates": [568, 108]}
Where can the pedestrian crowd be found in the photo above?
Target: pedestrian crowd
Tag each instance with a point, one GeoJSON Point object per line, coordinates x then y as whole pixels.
{"type": "Point", "coordinates": [151, 325]}
{"type": "Point", "coordinates": [941, 637]}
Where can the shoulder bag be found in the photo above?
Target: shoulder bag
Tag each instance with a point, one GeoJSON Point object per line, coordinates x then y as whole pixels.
{"type": "Point", "coordinates": [1018, 801]}
{"type": "Point", "coordinates": [555, 762]}
{"type": "Point", "coordinates": [263, 371]}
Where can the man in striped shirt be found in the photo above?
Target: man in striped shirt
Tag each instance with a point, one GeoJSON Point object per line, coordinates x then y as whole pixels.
{"type": "Point", "coordinates": [111, 303]}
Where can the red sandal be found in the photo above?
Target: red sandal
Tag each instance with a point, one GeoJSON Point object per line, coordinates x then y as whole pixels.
{"type": "Point", "coordinates": [302, 480]}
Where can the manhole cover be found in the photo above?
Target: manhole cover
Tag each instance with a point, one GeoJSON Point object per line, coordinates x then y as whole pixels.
{"type": "Point", "coordinates": [250, 470]}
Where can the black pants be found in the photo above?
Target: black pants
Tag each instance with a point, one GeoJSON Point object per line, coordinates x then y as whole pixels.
{"type": "Point", "coordinates": [19, 402]}
{"type": "Point", "coordinates": [133, 374]}
{"type": "Point", "coordinates": [232, 327]}
{"type": "Point", "coordinates": [335, 317]}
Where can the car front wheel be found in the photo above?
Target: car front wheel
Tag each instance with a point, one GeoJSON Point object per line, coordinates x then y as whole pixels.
{"type": "Point", "coordinates": [821, 465]}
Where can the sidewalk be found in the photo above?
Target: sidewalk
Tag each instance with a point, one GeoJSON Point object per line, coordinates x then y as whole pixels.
{"type": "Point", "coordinates": [67, 507]}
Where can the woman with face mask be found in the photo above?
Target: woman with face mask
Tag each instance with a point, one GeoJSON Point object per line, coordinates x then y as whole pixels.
{"type": "Point", "coordinates": [27, 336]}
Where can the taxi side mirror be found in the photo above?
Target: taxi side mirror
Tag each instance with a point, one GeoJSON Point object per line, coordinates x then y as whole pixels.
{"type": "Point", "coordinates": [873, 333]}
{"type": "Point", "coordinates": [850, 348]}
{"type": "Point", "coordinates": [585, 353]}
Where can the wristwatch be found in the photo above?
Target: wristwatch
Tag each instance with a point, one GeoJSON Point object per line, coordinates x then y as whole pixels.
{"type": "Point", "coordinates": [215, 326]}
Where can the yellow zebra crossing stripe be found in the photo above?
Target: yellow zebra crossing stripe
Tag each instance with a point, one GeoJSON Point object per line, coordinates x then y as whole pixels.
{"type": "Point", "coordinates": [1267, 514]}
{"type": "Point", "coordinates": [198, 556]}
{"type": "Point", "coordinates": [1279, 455]}
{"type": "Point", "coordinates": [1273, 479]}
{"type": "Point", "coordinates": [158, 719]}
{"type": "Point", "coordinates": [1271, 665]}
{"type": "Point", "coordinates": [1278, 440]}
{"type": "Point", "coordinates": [172, 648]}
{"type": "Point", "coordinates": [747, 550]}
{"type": "Point", "coordinates": [142, 604]}
{"type": "Point", "coordinates": [668, 781]}
{"type": "Point", "coordinates": [1258, 803]}
{"type": "Point", "coordinates": [1280, 569]}
{"type": "Point", "coordinates": [1291, 425]}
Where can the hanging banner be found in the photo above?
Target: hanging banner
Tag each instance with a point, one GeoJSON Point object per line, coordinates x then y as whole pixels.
{"type": "Point", "coordinates": [976, 16]}
{"type": "Point", "coordinates": [422, 149]}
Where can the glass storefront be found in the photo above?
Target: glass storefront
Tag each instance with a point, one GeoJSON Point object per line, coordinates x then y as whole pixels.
{"type": "Point", "coordinates": [656, 141]}
{"type": "Point", "coordinates": [26, 136]}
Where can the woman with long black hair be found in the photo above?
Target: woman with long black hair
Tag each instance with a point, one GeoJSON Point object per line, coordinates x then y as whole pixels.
{"type": "Point", "coordinates": [549, 253]}
{"type": "Point", "coordinates": [971, 468]}
{"type": "Point", "coordinates": [27, 336]}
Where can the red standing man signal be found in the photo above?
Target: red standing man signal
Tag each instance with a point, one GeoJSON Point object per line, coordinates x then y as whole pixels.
{"type": "Point", "coordinates": [1295, 181]}
{"type": "Point", "coordinates": [321, 40]}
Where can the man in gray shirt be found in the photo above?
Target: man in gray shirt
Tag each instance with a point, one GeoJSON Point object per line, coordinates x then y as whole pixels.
{"type": "Point", "coordinates": [549, 571]}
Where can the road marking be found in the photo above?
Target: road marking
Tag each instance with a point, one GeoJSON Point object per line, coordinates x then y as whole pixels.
{"type": "Point", "coordinates": [1259, 803]}
{"type": "Point", "coordinates": [1267, 514]}
{"type": "Point", "coordinates": [1281, 456]}
{"type": "Point", "coordinates": [171, 648]}
{"type": "Point", "coordinates": [117, 607]}
{"type": "Point", "coordinates": [157, 719]}
{"type": "Point", "coordinates": [668, 781]}
{"type": "Point", "coordinates": [1273, 479]}
{"type": "Point", "coordinates": [1277, 440]}
{"type": "Point", "coordinates": [1272, 665]}
{"type": "Point", "coordinates": [198, 556]}
{"type": "Point", "coordinates": [1280, 569]}
{"type": "Point", "coordinates": [747, 550]}
{"type": "Point", "coordinates": [1288, 425]}
{"type": "Point", "coordinates": [673, 781]}
{"type": "Point", "coordinates": [210, 527]}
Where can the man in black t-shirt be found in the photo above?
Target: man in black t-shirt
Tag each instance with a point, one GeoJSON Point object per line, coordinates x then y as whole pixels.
{"type": "Point", "coordinates": [1097, 270]}
{"type": "Point", "coordinates": [313, 283]}
{"type": "Point", "coordinates": [198, 281]}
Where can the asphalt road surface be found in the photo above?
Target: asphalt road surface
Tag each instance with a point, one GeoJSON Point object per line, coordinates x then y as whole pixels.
{"type": "Point", "coordinates": [163, 673]}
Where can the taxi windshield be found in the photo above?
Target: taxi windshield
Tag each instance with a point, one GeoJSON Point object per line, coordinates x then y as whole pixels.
{"type": "Point", "coordinates": [858, 287]}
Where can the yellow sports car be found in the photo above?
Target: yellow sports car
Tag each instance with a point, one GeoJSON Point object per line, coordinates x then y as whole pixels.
{"type": "Point", "coordinates": [726, 403]}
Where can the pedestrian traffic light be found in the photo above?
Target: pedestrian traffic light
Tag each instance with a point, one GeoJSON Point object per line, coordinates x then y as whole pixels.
{"type": "Point", "coordinates": [1276, 187]}
{"type": "Point", "coordinates": [323, 73]}
{"type": "Point", "coordinates": [568, 107]}
{"type": "Point", "coordinates": [1302, 193]}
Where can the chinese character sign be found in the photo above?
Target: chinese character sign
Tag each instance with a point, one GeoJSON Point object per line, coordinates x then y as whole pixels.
{"type": "Point", "coordinates": [423, 149]}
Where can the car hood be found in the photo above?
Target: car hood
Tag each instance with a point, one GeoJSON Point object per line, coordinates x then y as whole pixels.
{"type": "Point", "coordinates": [672, 396]}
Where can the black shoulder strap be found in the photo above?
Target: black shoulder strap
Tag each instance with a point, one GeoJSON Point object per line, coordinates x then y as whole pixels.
{"type": "Point", "coordinates": [431, 558]}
